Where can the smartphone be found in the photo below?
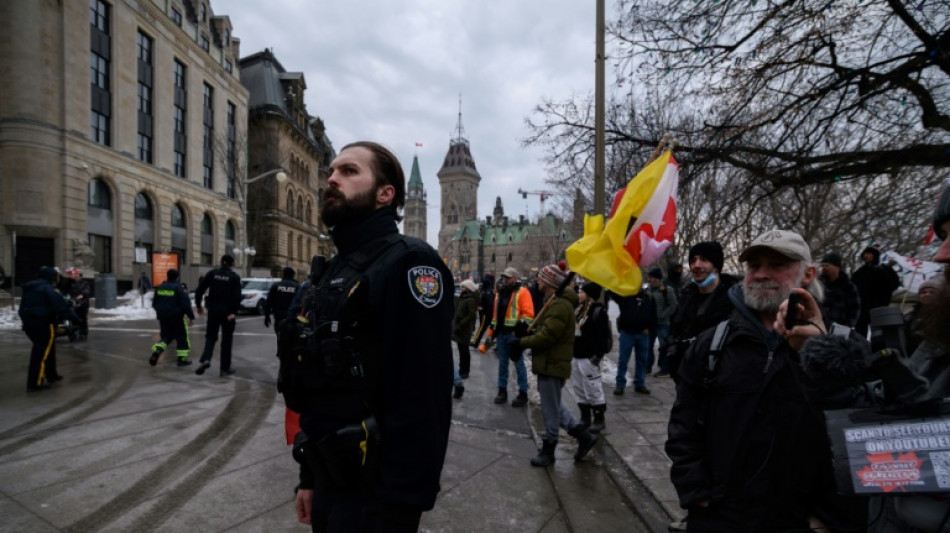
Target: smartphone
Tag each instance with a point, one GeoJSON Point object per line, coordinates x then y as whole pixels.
{"type": "Point", "coordinates": [791, 313]}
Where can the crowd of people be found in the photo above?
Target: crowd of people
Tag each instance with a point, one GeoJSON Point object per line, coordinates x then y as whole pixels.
{"type": "Point", "coordinates": [366, 360]}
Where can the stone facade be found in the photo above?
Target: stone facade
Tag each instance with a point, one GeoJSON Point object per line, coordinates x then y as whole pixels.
{"type": "Point", "coordinates": [70, 198]}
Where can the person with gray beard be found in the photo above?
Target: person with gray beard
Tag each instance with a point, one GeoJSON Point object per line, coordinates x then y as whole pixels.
{"type": "Point", "coordinates": [749, 452]}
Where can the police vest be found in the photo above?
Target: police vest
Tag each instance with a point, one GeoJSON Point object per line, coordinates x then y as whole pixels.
{"type": "Point", "coordinates": [328, 363]}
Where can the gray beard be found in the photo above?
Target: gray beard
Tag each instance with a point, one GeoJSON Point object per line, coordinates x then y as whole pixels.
{"type": "Point", "coordinates": [758, 299]}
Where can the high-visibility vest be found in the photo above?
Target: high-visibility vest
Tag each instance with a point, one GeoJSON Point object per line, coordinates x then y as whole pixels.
{"type": "Point", "coordinates": [511, 317]}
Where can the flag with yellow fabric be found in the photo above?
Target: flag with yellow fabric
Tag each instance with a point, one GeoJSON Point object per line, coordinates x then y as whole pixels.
{"type": "Point", "coordinates": [640, 228]}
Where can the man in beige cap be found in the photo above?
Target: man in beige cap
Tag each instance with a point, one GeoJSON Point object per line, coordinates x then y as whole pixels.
{"type": "Point", "coordinates": [749, 452]}
{"type": "Point", "coordinates": [513, 310]}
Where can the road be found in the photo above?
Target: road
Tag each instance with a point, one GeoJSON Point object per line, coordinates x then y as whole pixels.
{"type": "Point", "coordinates": [122, 446]}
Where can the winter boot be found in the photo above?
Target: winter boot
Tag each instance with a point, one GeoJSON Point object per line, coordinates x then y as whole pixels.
{"type": "Point", "coordinates": [599, 423]}
{"type": "Point", "coordinates": [545, 455]}
{"type": "Point", "coordinates": [585, 414]}
{"type": "Point", "coordinates": [502, 396]}
{"type": "Point", "coordinates": [157, 350]}
{"type": "Point", "coordinates": [459, 391]}
{"type": "Point", "coordinates": [521, 400]}
{"type": "Point", "coordinates": [585, 441]}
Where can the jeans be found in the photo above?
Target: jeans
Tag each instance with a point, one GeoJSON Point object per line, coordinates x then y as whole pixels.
{"type": "Point", "coordinates": [662, 332]}
{"type": "Point", "coordinates": [553, 412]}
{"type": "Point", "coordinates": [504, 348]}
{"type": "Point", "coordinates": [630, 342]}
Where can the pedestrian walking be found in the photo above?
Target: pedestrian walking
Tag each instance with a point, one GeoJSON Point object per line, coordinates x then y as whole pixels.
{"type": "Point", "coordinates": [223, 286]}
{"type": "Point", "coordinates": [42, 306]}
{"type": "Point", "coordinates": [173, 310]}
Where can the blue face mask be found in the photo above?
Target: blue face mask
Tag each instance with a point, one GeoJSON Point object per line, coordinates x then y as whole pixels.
{"type": "Point", "coordinates": [710, 279]}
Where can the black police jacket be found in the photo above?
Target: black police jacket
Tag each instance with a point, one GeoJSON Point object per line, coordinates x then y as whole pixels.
{"type": "Point", "coordinates": [223, 286]}
{"type": "Point", "coordinates": [42, 302]}
{"type": "Point", "coordinates": [402, 306]}
{"type": "Point", "coordinates": [170, 299]}
{"type": "Point", "coordinates": [279, 298]}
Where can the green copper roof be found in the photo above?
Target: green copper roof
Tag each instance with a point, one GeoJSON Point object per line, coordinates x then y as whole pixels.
{"type": "Point", "coordinates": [415, 177]}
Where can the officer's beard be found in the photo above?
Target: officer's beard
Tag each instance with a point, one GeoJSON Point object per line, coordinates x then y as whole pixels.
{"type": "Point", "coordinates": [336, 209]}
{"type": "Point", "coordinates": [936, 315]}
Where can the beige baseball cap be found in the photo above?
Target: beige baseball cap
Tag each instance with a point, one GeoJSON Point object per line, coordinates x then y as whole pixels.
{"type": "Point", "coordinates": [787, 243]}
{"type": "Point", "coordinates": [511, 272]}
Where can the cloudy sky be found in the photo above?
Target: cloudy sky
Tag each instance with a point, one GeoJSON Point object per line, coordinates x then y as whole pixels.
{"type": "Point", "coordinates": [392, 71]}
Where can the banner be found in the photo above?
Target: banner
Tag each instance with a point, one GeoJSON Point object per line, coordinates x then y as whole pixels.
{"type": "Point", "coordinates": [912, 272]}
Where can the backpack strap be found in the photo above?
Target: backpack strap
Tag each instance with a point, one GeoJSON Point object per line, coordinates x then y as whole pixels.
{"type": "Point", "coordinates": [715, 351]}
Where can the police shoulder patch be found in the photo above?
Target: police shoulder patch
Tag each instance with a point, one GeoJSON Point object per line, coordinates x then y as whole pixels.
{"type": "Point", "coordinates": [425, 285]}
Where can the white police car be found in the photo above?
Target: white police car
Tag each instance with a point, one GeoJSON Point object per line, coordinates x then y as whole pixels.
{"type": "Point", "coordinates": [254, 293]}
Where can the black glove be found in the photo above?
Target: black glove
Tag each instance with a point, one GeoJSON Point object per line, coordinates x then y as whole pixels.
{"type": "Point", "coordinates": [521, 329]}
{"type": "Point", "coordinates": [596, 359]}
{"type": "Point", "coordinates": [267, 321]}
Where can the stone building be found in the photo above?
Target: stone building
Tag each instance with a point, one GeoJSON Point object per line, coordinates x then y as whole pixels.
{"type": "Point", "coordinates": [415, 211]}
{"type": "Point", "coordinates": [121, 125]}
{"type": "Point", "coordinates": [284, 226]}
{"type": "Point", "coordinates": [472, 247]}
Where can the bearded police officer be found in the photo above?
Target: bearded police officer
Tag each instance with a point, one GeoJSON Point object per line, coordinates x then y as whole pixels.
{"type": "Point", "coordinates": [374, 382]}
{"type": "Point", "coordinates": [223, 286]}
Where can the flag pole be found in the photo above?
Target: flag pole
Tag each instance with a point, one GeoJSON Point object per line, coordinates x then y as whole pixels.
{"type": "Point", "coordinates": [659, 148]}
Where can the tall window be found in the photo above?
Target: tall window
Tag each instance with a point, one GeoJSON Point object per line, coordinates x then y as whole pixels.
{"type": "Point", "coordinates": [176, 17]}
{"type": "Point", "coordinates": [181, 106]}
{"type": "Point", "coordinates": [145, 97]}
{"type": "Point", "coordinates": [207, 240]}
{"type": "Point", "coordinates": [232, 138]}
{"type": "Point", "coordinates": [99, 225]}
{"type": "Point", "coordinates": [144, 224]}
{"type": "Point", "coordinates": [229, 237]}
{"type": "Point", "coordinates": [179, 233]}
{"type": "Point", "coordinates": [99, 64]}
{"type": "Point", "coordinates": [208, 143]}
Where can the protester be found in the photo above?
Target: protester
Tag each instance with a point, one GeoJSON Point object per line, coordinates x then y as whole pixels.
{"type": "Point", "coordinates": [145, 284]}
{"type": "Point", "coordinates": [664, 298]}
{"type": "Point", "coordinates": [749, 452]}
{"type": "Point", "coordinates": [79, 292]}
{"type": "Point", "coordinates": [223, 286]}
{"type": "Point", "coordinates": [551, 340]}
{"type": "Point", "coordinates": [486, 299]}
{"type": "Point", "coordinates": [172, 305]}
{"type": "Point", "coordinates": [375, 401]}
{"type": "Point", "coordinates": [703, 303]}
{"type": "Point", "coordinates": [464, 325]}
{"type": "Point", "coordinates": [635, 325]}
{"type": "Point", "coordinates": [592, 340]}
{"type": "Point", "coordinates": [513, 310]}
{"type": "Point", "coordinates": [41, 307]}
{"type": "Point", "coordinates": [913, 319]}
{"type": "Point", "coordinates": [842, 303]}
{"type": "Point", "coordinates": [876, 283]}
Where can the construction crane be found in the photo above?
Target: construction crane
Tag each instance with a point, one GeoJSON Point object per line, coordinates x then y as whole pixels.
{"type": "Point", "coordinates": [542, 195]}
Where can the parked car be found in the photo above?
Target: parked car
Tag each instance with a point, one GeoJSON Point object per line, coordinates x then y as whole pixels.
{"type": "Point", "coordinates": [254, 293]}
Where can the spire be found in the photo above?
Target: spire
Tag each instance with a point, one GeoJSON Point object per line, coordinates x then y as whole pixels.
{"type": "Point", "coordinates": [458, 159]}
{"type": "Point", "coordinates": [415, 177]}
{"type": "Point", "coordinates": [459, 129]}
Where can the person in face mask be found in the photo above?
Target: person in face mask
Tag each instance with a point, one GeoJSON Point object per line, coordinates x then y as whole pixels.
{"type": "Point", "coordinates": [703, 302]}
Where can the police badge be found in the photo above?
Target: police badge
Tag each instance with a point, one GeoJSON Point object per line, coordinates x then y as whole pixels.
{"type": "Point", "coordinates": [425, 284]}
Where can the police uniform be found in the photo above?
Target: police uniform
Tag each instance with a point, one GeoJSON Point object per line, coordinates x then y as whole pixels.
{"type": "Point", "coordinates": [223, 286]}
{"type": "Point", "coordinates": [279, 298]}
{"type": "Point", "coordinates": [172, 306]}
{"type": "Point", "coordinates": [381, 353]}
{"type": "Point", "coordinates": [41, 307]}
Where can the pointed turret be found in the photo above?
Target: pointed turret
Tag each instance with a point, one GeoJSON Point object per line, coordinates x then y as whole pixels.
{"type": "Point", "coordinates": [415, 224]}
{"type": "Point", "coordinates": [458, 179]}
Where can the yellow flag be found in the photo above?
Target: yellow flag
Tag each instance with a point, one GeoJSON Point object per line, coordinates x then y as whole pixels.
{"type": "Point", "coordinates": [640, 229]}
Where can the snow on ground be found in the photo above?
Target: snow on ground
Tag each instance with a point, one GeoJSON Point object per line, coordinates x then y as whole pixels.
{"type": "Point", "coordinates": [131, 306]}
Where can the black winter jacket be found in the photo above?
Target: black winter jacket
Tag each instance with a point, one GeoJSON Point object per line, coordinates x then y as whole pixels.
{"type": "Point", "coordinates": [223, 286]}
{"type": "Point", "coordinates": [842, 303]}
{"type": "Point", "coordinates": [748, 441]}
{"type": "Point", "coordinates": [637, 312]}
{"type": "Point", "coordinates": [171, 300]}
{"type": "Point", "coordinates": [280, 297]}
{"type": "Point", "coordinates": [42, 302]}
{"type": "Point", "coordinates": [593, 330]}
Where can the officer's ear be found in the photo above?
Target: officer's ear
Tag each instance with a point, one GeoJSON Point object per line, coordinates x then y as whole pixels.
{"type": "Point", "coordinates": [385, 195]}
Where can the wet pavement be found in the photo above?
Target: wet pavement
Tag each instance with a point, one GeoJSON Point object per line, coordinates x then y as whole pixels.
{"type": "Point", "coordinates": [122, 446]}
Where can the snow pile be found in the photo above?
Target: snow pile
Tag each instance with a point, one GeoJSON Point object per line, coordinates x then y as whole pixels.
{"type": "Point", "coordinates": [131, 306]}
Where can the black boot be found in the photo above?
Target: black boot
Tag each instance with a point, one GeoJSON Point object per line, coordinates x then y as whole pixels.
{"type": "Point", "coordinates": [585, 441]}
{"type": "Point", "coordinates": [502, 396]}
{"type": "Point", "coordinates": [599, 424]}
{"type": "Point", "coordinates": [545, 455]}
{"type": "Point", "coordinates": [459, 391]}
{"type": "Point", "coordinates": [585, 413]}
{"type": "Point", "coordinates": [521, 400]}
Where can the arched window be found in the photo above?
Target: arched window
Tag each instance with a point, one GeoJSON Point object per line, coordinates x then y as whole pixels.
{"type": "Point", "coordinates": [309, 219]}
{"type": "Point", "coordinates": [207, 240]}
{"type": "Point", "coordinates": [179, 233]}
{"type": "Point", "coordinates": [290, 203]}
{"type": "Point", "coordinates": [144, 225]}
{"type": "Point", "coordinates": [229, 237]}
{"type": "Point", "coordinates": [100, 226]}
{"type": "Point", "coordinates": [299, 210]}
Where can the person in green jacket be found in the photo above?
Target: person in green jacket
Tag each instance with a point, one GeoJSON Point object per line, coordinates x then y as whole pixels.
{"type": "Point", "coordinates": [551, 340]}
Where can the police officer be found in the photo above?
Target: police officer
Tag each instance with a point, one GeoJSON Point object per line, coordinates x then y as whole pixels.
{"type": "Point", "coordinates": [374, 391]}
{"type": "Point", "coordinates": [223, 286]}
{"type": "Point", "coordinates": [41, 307]}
{"type": "Point", "coordinates": [279, 297]}
{"type": "Point", "coordinates": [172, 305]}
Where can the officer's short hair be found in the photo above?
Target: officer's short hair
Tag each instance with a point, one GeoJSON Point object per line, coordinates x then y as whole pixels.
{"type": "Point", "coordinates": [172, 274]}
{"type": "Point", "coordinates": [386, 171]}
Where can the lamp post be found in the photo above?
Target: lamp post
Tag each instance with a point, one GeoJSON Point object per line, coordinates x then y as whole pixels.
{"type": "Point", "coordinates": [248, 250]}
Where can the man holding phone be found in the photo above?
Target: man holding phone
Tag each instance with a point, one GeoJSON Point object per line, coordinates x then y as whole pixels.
{"type": "Point", "coordinates": [749, 453]}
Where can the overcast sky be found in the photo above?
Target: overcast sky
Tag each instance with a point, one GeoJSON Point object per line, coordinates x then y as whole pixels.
{"type": "Point", "coordinates": [392, 71]}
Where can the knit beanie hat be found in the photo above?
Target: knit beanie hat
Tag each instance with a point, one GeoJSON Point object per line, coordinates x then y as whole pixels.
{"type": "Point", "coordinates": [711, 250]}
{"type": "Point", "coordinates": [552, 275]}
{"type": "Point", "coordinates": [942, 213]}
{"type": "Point", "coordinates": [469, 285]}
{"type": "Point", "coordinates": [832, 258]}
{"type": "Point", "coordinates": [592, 289]}
{"type": "Point", "coordinates": [655, 273]}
